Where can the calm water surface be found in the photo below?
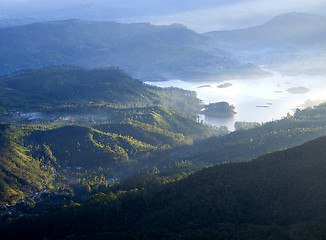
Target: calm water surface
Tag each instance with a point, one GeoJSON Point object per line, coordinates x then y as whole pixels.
{"type": "Point", "coordinates": [257, 100]}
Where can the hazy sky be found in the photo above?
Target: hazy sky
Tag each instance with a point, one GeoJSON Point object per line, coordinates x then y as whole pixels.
{"type": "Point", "coordinates": [241, 13]}
{"type": "Point", "coordinates": [200, 15]}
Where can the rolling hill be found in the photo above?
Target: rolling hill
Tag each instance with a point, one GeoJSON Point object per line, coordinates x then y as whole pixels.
{"type": "Point", "coordinates": [44, 88]}
{"type": "Point", "coordinates": [115, 145]}
{"type": "Point", "coordinates": [51, 158]}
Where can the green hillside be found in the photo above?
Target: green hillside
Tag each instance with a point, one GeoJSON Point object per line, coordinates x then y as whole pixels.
{"type": "Point", "coordinates": [141, 138]}
{"type": "Point", "coordinates": [109, 145]}
{"type": "Point", "coordinates": [42, 89]}
{"type": "Point", "coordinates": [144, 132]}
{"type": "Point", "coordinates": [290, 131]}
{"type": "Point", "coordinates": [277, 196]}
{"type": "Point", "coordinates": [119, 123]}
{"type": "Point", "coordinates": [80, 146]}
{"type": "Point", "coordinates": [20, 174]}
{"type": "Point", "coordinates": [137, 139]}
{"type": "Point", "coordinates": [58, 157]}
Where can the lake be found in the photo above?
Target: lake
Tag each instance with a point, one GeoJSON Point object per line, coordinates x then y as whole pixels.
{"type": "Point", "coordinates": [257, 100]}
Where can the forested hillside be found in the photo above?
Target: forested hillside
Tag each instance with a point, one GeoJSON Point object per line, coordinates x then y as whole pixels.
{"type": "Point", "coordinates": [69, 87]}
{"type": "Point", "coordinates": [20, 174]}
{"type": "Point", "coordinates": [58, 156]}
{"type": "Point", "coordinates": [71, 123]}
{"type": "Point", "coordinates": [117, 159]}
{"type": "Point", "coordinates": [92, 149]}
{"type": "Point", "coordinates": [290, 131]}
{"type": "Point", "coordinates": [277, 196]}
{"type": "Point", "coordinates": [137, 139]}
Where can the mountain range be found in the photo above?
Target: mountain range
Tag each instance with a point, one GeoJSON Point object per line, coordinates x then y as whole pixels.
{"type": "Point", "coordinates": [143, 50]}
{"type": "Point", "coordinates": [287, 39]}
{"type": "Point", "coordinates": [93, 153]}
{"type": "Point", "coordinates": [292, 42]}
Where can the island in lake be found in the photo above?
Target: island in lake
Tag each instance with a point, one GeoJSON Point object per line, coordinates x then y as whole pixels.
{"type": "Point", "coordinates": [204, 86]}
{"type": "Point", "coordinates": [298, 90]}
{"type": "Point", "coordinates": [219, 109]}
{"type": "Point", "coordinates": [225, 85]}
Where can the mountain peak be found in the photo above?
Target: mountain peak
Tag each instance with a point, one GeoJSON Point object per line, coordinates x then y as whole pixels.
{"type": "Point", "coordinates": [297, 18]}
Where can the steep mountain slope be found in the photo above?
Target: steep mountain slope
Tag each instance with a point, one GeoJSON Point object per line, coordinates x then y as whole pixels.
{"type": "Point", "coordinates": [143, 50]}
{"type": "Point", "coordinates": [20, 174]}
{"type": "Point", "coordinates": [289, 37]}
{"type": "Point", "coordinates": [277, 196]}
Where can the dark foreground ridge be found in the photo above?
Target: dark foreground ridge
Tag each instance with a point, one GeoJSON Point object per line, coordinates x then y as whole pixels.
{"type": "Point", "coordinates": [277, 196]}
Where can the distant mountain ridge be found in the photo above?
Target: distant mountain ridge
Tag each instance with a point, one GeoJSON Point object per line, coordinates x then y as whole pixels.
{"type": "Point", "coordinates": [285, 38]}
{"type": "Point", "coordinates": [143, 50]}
{"type": "Point", "coordinates": [286, 29]}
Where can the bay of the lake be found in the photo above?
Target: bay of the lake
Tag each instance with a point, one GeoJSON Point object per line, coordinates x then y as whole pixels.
{"type": "Point", "coordinates": [257, 100]}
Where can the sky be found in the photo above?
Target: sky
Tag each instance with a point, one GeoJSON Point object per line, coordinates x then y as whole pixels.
{"type": "Point", "coordinates": [201, 16]}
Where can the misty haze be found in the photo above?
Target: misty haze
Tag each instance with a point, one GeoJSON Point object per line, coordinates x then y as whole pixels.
{"type": "Point", "coordinates": [162, 119]}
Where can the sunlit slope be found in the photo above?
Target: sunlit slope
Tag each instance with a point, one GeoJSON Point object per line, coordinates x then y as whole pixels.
{"type": "Point", "coordinates": [114, 145]}
{"type": "Point", "coordinates": [164, 118]}
{"type": "Point", "coordinates": [20, 174]}
{"type": "Point", "coordinates": [30, 156]}
{"type": "Point", "coordinates": [78, 146]}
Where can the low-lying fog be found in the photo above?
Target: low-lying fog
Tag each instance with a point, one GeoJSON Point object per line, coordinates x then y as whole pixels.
{"type": "Point", "coordinates": [257, 100]}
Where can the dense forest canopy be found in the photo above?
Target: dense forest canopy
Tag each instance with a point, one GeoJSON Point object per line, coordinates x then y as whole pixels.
{"type": "Point", "coordinates": [55, 153]}
{"type": "Point", "coordinates": [277, 196]}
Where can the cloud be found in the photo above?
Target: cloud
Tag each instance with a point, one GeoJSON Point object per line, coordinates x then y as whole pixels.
{"type": "Point", "coordinates": [25, 6]}
{"type": "Point", "coordinates": [239, 14]}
